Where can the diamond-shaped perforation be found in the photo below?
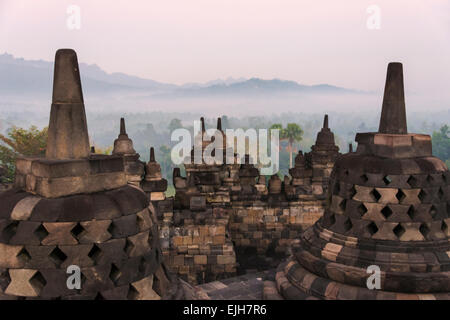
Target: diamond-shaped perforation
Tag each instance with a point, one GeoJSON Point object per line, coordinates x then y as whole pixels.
{"type": "Point", "coordinates": [364, 178]}
{"type": "Point", "coordinates": [399, 230]}
{"type": "Point", "coordinates": [444, 227]}
{"type": "Point", "coordinates": [348, 224]}
{"type": "Point", "coordinates": [5, 279]}
{"type": "Point", "coordinates": [346, 172]}
{"type": "Point", "coordinates": [430, 179]}
{"type": "Point", "coordinates": [400, 195]}
{"type": "Point", "coordinates": [10, 230]}
{"type": "Point", "coordinates": [57, 256]}
{"type": "Point", "coordinates": [411, 212]}
{"type": "Point", "coordinates": [78, 230]}
{"type": "Point", "coordinates": [95, 253]}
{"type": "Point", "coordinates": [375, 195]}
{"type": "Point", "coordinates": [362, 209]}
{"type": "Point", "coordinates": [424, 230]}
{"type": "Point", "coordinates": [412, 181]}
{"type": "Point", "coordinates": [372, 228]}
{"type": "Point", "coordinates": [386, 212]}
{"type": "Point", "coordinates": [115, 273]}
{"type": "Point", "coordinates": [38, 281]}
{"type": "Point", "coordinates": [111, 228]}
{"type": "Point", "coordinates": [41, 232]}
{"type": "Point", "coordinates": [24, 255]}
{"type": "Point", "coordinates": [99, 296]}
{"type": "Point", "coordinates": [133, 294]}
{"type": "Point", "coordinates": [352, 192]}
{"type": "Point", "coordinates": [422, 194]}
{"type": "Point", "coordinates": [387, 180]}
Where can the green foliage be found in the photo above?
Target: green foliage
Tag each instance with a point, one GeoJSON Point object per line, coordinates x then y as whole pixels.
{"type": "Point", "coordinates": [21, 142]}
{"type": "Point", "coordinates": [292, 133]}
{"type": "Point", "coordinates": [441, 144]}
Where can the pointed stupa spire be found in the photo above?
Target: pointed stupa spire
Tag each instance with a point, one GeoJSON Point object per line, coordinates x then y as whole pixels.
{"type": "Point", "coordinates": [325, 122]}
{"type": "Point", "coordinates": [393, 113]}
{"type": "Point", "coordinates": [152, 154]}
{"type": "Point", "coordinates": [67, 130]}
{"type": "Point", "coordinates": [219, 124]}
{"type": "Point", "coordinates": [350, 147]}
{"type": "Point", "coordinates": [92, 149]}
{"type": "Point", "coordinates": [123, 130]}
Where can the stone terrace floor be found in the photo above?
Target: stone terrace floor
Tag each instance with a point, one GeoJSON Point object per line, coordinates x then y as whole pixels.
{"type": "Point", "coordinates": [246, 287]}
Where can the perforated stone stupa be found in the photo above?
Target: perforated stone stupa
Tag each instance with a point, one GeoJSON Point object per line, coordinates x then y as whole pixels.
{"type": "Point", "coordinates": [389, 206]}
{"type": "Point", "coordinates": [75, 208]}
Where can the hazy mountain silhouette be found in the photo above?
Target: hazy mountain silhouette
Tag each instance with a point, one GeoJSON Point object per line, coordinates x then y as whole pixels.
{"type": "Point", "coordinates": [19, 76]}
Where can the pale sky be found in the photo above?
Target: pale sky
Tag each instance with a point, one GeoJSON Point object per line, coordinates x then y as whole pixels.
{"type": "Point", "coordinates": [179, 41]}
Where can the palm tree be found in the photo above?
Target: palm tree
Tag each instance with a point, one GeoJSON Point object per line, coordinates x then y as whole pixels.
{"type": "Point", "coordinates": [293, 132]}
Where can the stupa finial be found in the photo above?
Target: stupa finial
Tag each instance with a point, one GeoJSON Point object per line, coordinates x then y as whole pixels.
{"type": "Point", "coordinates": [393, 113]}
{"type": "Point", "coordinates": [68, 136]}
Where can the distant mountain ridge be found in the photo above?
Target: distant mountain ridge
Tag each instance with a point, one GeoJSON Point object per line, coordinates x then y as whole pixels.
{"type": "Point", "coordinates": [20, 76]}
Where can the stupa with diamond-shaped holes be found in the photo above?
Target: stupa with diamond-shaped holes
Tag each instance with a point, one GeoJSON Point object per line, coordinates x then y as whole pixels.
{"type": "Point", "coordinates": [75, 208]}
{"type": "Point", "coordinates": [389, 206]}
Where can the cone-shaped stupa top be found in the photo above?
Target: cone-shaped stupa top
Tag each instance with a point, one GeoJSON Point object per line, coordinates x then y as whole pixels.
{"type": "Point", "coordinates": [123, 130]}
{"type": "Point", "coordinates": [350, 147]}
{"type": "Point", "coordinates": [123, 144]}
{"type": "Point", "coordinates": [219, 124]}
{"type": "Point", "coordinates": [66, 78]}
{"type": "Point", "coordinates": [67, 131]}
{"type": "Point", "coordinates": [152, 154]}
{"type": "Point", "coordinates": [325, 136]}
{"type": "Point", "coordinates": [325, 122]}
{"type": "Point", "coordinates": [393, 114]}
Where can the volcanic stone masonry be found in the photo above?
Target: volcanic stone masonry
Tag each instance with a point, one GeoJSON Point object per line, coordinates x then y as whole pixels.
{"type": "Point", "coordinates": [75, 208]}
{"type": "Point", "coordinates": [389, 206]}
{"type": "Point", "coordinates": [227, 217]}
